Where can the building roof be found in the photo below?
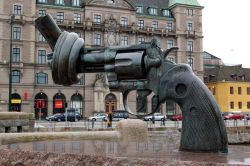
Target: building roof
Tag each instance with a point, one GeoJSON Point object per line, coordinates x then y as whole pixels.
{"type": "Point", "coordinates": [158, 4]}
{"type": "Point", "coordinates": [163, 4]}
{"type": "Point", "coordinates": [207, 55]}
{"type": "Point", "coordinates": [227, 73]}
{"type": "Point", "coordinates": [184, 2]}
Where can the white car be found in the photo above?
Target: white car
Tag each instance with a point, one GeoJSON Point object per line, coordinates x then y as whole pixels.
{"type": "Point", "coordinates": [157, 117]}
{"type": "Point", "coordinates": [98, 117]}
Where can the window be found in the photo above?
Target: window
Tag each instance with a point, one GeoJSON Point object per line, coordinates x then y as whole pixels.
{"type": "Point", "coordinates": [166, 12]}
{"type": "Point", "coordinates": [77, 18]}
{"type": "Point", "coordinates": [248, 90]}
{"type": "Point", "coordinates": [139, 9]}
{"type": "Point", "coordinates": [16, 55]}
{"type": "Point", "coordinates": [81, 82]}
{"type": "Point", "coordinates": [141, 24]}
{"type": "Point", "coordinates": [42, 1]}
{"type": "Point", "coordinates": [154, 25]}
{"type": "Point", "coordinates": [239, 90]}
{"type": "Point", "coordinates": [171, 59]}
{"type": "Point", "coordinates": [59, 2]}
{"type": "Point", "coordinates": [111, 1]}
{"type": "Point", "coordinates": [41, 78]}
{"type": "Point", "coordinates": [15, 74]}
{"type": "Point", "coordinates": [231, 90]}
{"type": "Point", "coordinates": [41, 56]}
{"type": "Point", "coordinates": [141, 40]}
{"type": "Point", "coordinates": [248, 105]}
{"type": "Point", "coordinates": [17, 9]}
{"type": "Point", "coordinates": [41, 38]}
{"type": "Point", "coordinates": [232, 105]}
{"type": "Point", "coordinates": [190, 26]}
{"type": "Point", "coordinates": [124, 40]}
{"type": "Point", "coordinates": [60, 17]}
{"type": "Point", "coordinates": [97, 19]}
{"type": "Point", "coordinates": [240, 105]}
{"type": "Point", "coordinates": [190, 12]}
{"type": "Point", "coordinates": [16, 33]}
{"type": "Point", "coordinates": [124, 21]}
{"type": "Point", "coordinates": [190, 45]}
{"type": "Point", "coordinates": [190, 62]}
{"type": "Point", "coordinates": [79, 34]}
{"type": "Point", "coordinates": [41, 13]}
{"type": "Point", "coordinates": [97, 39]}
{"type": "Point", "coordinates": [75, 3]}
{"type": "Point", "coordinates": [214, 91]}
{"type": "Point", "coordinates": [169, 27]}
{"type": "Point", "coordinates": [153, 11]}
{"type": "Point", "coordinates": [170, 43]}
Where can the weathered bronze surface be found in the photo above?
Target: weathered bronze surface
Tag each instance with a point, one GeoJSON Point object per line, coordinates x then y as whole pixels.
{"type": "Point", "coordinates": [141, 67]}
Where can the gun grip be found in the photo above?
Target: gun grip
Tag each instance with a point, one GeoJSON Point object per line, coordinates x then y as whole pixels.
{"type": "Point", "coordinates": [203, 128]}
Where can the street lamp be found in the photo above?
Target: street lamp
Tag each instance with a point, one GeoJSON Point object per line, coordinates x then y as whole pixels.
{"type": "Point", "coordinates": [190, 58]}
{"type": "Point", "coordinates": [10, 62]}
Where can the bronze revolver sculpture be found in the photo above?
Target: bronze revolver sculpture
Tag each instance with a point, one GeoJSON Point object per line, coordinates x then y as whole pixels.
{"type": "Point", "coordinates": [141, 67]}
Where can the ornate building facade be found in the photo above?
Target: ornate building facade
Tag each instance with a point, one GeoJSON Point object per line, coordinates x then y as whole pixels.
{"type": "Point", "coordinates": [101, 23]}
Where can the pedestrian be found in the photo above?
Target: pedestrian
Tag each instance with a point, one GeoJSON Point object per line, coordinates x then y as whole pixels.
{"type": "Point", "coordinates": [110, 119]}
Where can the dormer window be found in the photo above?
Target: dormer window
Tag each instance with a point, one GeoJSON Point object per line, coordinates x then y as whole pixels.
{"type": "Point", "coordinates": [139, 9]}
{"type": "Point", "coordinates": [75, 3]}
{"type": "Point", "coordinates": [234, 76]}
{"type": "Point", "coordinates": [111, 1]}
{"type": "Point", "coordinates": [166, 12]}
{"type": "Point", "coordinates": [42, 1]}
{"type": "Point", "coordinates": [59, 2]}
{"type": "Point", "coordinates": [242, 77]}
{"type": "Point", "coordinates": [190, 12]}
{"type": "Point", "coordinates": [152, 11]}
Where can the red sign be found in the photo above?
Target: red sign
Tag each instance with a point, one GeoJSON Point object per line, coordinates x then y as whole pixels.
{"type": "Point", "coordinates": [40, 104]}
{"type": "Point", "coordinates": [58, 104]}
{"type": "Point", "coordinates": [25, 96]}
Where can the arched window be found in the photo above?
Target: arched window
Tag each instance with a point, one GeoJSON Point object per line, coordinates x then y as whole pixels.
{"type": "Point", "coordinates": [16, 102]}
{"type": "Point", "coordinates": [59, 101]}
{"type": "Point", "coordinates": [41, 105]}
{"type": "Point", "coordinates": [15, 74]}
{"type": "Point", "coordinates": [76, 102]}
{"type": "Point", "coordinates": [41, 78]}
{"type": "Point", "coordinates": [110, 102]}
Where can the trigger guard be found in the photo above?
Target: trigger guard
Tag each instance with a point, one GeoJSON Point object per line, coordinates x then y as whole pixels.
{"type": "Point", "coordinates": [127, 108]}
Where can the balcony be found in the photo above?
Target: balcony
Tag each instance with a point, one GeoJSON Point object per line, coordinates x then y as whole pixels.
{"type": "Point", "coordinates": [18, 19]}
{"type": "Point", "coordinates": [125, 28]}
{"type": "Point", "coordinates": [89, 25]}
{"type": "Point", "coordinates": [190, 34]}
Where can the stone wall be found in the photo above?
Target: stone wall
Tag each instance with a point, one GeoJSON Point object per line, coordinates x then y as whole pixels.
{"type": "Point", "coordinates": [16, 122]}
{"type": "Point", "coordinates": [238, 135]}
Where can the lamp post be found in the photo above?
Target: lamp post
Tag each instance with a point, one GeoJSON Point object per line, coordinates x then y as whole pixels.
{"type": "Point", "coordinates": [10, 62]}
{"type": "Point", "coordinates": [190, 58]}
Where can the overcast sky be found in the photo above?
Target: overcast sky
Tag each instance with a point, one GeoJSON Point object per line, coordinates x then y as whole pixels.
{"type": "Point", "coordinates": [226, 30]}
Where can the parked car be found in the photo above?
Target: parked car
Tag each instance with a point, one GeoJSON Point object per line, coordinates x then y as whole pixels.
{"type": "Point", "coordinates": [176, 117]}
{"type": "Point", "coordinates": [248, 117]}
{"type": "Point", "coordinates": [157, 117]}
{"type": "Point", "coordinates": [98, 117]}
{"type": "Point", "coordinates": [119, 115]}
{"type": "Point", "coordinates": [55, 117]}
{"type": "Point", "coordinates": [234, 116]}
{"type": "Point", "coordinates": [69, 116]}
{"type": "Point", "coordinates": [72, 116]}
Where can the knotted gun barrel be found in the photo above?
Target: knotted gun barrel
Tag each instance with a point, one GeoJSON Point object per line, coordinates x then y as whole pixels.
{"type": "Point", "coordinates": [143, 68]}
{"type": "Point", "coordinates": [70, 57]}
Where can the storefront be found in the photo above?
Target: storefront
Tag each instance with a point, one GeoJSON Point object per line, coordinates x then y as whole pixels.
{"type": "Point", "coordinates": [41, 105]}
{"type": "Point", "coordinates": [76, 102]}
{"type": "Point", "coordinates": [16, 102]}
{"type": "Point", "coordinates": [59, 103]}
